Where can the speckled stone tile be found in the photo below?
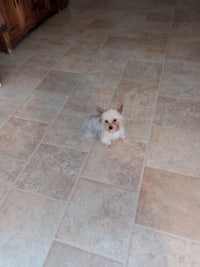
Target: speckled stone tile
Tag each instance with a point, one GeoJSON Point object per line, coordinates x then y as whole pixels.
{"type": "Point", "coordinates": [86, 99]}
{"type": "Point", "coordinates": [184, 41]}
{"type": "Point", "coordinates": [103, 24]}
{"type": "Point", "coordinates": [27, 223]}
{"type": "Point", "coordinates": [65, 256]}
{"type": "Point", "coordinates": [121, 164]}
{"type": "Point", "coordinates": [186, 13]}
{"type": "Point", "coordinates": [112, 58]}
{"type": "Point", "coordinates": [120, 43]}
{"type": "Point", "coordinates": [193, 254]}
{"type": "Point", "coordinates": [6, 70]}
{"type": "Point", "coordinates": [56, 52]}
{"type": "Point", "coordinates": [52, 171]}
{"type": "Point", "coordinates": [60, 82]}
{"type": "Point", "coordinates": [96, 222]}
{"type": "Point", "coordinates": [150, 47]}
{"type": "Point", "coordinates": [74, 63]}
{"type": "Point", "coordinates": [143, 71]}
{"type": "Point", "coordinates": [169, 202]}
{"type": "Point", "coordinates": [156, 27]}
{"type": "Point", "coordinates": [43, 106]}
{"type": "Point", "coordinates": [135, 93]}
{"type": "Point", "coordinates": [17, 57]}
{"type": "Point", "coordinates": [175, 150]}
{"type": "Point", "coordinates": [67, 131]}
{"type": "Point", "coordinates": [7, 109]}
{"type": "Point", "coordinates": [157, 23]}
{"type": "Point", "coordinates": [177, 113]}
{"type": "Point", "coordinates": [84, 48]}
{"type": "Point", "coordinates": [19, 138]}
{"type": "Point", "coordinates": [94, 35]}
{"type": "Point", "coordinates": [181, 79]}
{"type": "Point", "coordinates": [9, 171]}
{"type": "Point", "coordinates": [137, 123]}
{"type": "Point", "coordinates": [129, 18]}
{"type": "Point", "coordinates": [102, 76]}
{"type": "Point", "coordinates": [152, 249]}
{"type": "Point", "coordinates": [19, 86]}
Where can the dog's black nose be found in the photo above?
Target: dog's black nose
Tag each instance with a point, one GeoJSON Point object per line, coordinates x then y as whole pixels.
{"type": "Point", "coordinates": [110, 127]}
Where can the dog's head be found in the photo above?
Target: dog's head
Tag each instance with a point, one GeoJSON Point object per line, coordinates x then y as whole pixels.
{"type": "Point", "coordinates": [111, 119]}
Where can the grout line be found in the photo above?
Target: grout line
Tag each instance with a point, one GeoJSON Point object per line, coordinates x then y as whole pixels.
{"type": "Point", "coordinates": [87, 251]}
{"type": "Point", "coordinates": [171, 235]}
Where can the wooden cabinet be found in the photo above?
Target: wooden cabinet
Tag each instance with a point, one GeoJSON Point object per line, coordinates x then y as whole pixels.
{"type": "Point", "coordinates": [17, 17]}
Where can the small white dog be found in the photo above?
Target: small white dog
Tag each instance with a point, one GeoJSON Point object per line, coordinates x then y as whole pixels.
{"type": "Point", "coordinates": [107, 125]}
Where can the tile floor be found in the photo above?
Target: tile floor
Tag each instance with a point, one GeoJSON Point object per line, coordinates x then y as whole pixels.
{"type": "Point", "coordinates": [68, 201]}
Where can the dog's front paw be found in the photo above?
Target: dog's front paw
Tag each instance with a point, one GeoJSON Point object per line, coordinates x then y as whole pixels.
{"type": "Point", "coordinates": [107, 144]}
{"type": "Point", "coordinates": [123, 137]}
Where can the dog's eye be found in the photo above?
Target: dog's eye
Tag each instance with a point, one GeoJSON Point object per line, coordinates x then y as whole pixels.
{"type": "Point", "coordinates": [106, 121]}
{"type": "Point", "coordinates": [114, 120]}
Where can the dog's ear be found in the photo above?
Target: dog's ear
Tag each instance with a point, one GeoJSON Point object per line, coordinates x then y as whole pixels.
{"type": "Point", "coordinates": [120, 108]}
{"type": "Point", "coordinates": [100, 110]}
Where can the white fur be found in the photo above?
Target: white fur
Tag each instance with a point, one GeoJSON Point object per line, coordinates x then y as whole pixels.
{"type": "Point", "coordinates": [106, 137]}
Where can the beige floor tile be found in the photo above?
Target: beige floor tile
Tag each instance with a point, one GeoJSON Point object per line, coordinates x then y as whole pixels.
{"type": "Point", "coordinates": [94, 35]}
{"type": "Point", "coordinates": [112, 58]}
{"type": "Point", "coordinates": [87, 99]}
{"type": "Point", "coordinates": [67, 131]}
{"type": "Point", "coordinates": [17, 57]}
{"type": "Point", "coordinates": [177, 113]}
{"type": "Point", "coordinates": [43, 106]}
{"type": "Point", "coordinates": [74, 63]}
{"type": "Point", "coordinates": [96, 223]}
{"type": "Point", "coordinates": [135, 93]}
{"type": "Point", "coordinates": [169, 202]}
{"type": "Point", "coordinates": [60, 82]}
{"type": "Point", "coordinates": [85, 48]}
{"type": "Point", "coordinates": [19, 138]}
{"type": "Point", "coordinates": [52, 171]}
{"type": "Point", "coordinates": [156, 26]}
{"type": "Point", "coordinates": [129, 18]}
{"type": "Point", "coordinates": [103, 24]}
{"type": "Point", "coordinates": [120, 164]}
{"type": "Point", "coordinates": [175, 150]}
{"type": "Point", "coordinates": [6, 70]}
{"type": "Point", "coordinates": [138, 123]}
{"type": "Point", "coordinates": [27, 223]}
{"type": "Point", "coordinates": [159, 16]}
{"type": "Point", "coordinates": [65, 256]}
{"type": "Point", "coordinates": [158, 22]}
{"type": "Point", "coordinates": [19, 86]}
{"type": "Point", "coordinates": [193, 254]}
{"type": "Point", "coordinates": [150, 47]}
{"type": "Point", "coordinates": [181, 79]}
{"type": "Point", "coordinates": [56, 51]}
{"type": "Point", "coordinates": [152, 249]}
{"type": "Point", "coordinates": [122, 30]}
{"type": "Point", "coordinates": [120, 43]}
{"type": "Point", "coordinates": [186, 13]}
{"type": "Point", "coordinates": [143, 71]}
{"type": "Point", "coordinates": [7, 109]}
{"type": "Point", "coordinates": [102, 76]}
{"type": "Point", "coordinates": [184, 41]}
{"type": "Point", "coordinates": [9, 171]}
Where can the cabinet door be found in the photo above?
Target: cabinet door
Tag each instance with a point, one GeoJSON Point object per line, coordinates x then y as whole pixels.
{"type": "Point", "coordinates": [58, 4]}
{"type": "Point", "coordinates": [12, 20]}
{"type": "Point", "coordinates": [29, 13]}
{"type": "Point", "coordinates": [42, 8]}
